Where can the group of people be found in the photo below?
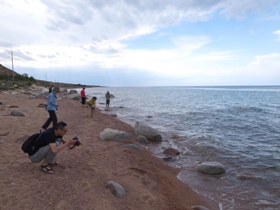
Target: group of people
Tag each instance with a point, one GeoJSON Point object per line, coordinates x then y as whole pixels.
{"type": "Point", "coordinates": [91, 102]}
{"type": "Point", "coordinates": [51, 140]}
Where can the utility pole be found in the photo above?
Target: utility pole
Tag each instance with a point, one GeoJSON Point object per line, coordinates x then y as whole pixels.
{"type": "Point", "coordinates": [12, 65]}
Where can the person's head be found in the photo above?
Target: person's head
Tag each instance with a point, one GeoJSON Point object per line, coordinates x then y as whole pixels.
{"type": "Point", "coordinates": [56, 90]}
{"type": "Point", "coordinates": [61, 128]}
{"type": "Point", "coordinates": [94, 98]}
{"type": "Point", "coordinates": [84, 88]}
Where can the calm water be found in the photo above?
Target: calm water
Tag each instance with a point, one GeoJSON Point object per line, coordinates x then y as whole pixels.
{"type": "Point", "coordinates": [236, 126]}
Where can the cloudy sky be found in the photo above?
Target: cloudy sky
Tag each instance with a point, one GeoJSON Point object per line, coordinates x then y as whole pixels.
{"type": "Point", "coordinates": [143, 42]}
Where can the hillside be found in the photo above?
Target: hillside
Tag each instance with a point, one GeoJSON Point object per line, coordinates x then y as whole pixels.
{"type": "Point", "coordinates": [6, 71]}
{"type": "Point", "coordinates": [10, 79]}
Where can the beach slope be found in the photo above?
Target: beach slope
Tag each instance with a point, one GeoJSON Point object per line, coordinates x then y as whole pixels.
{"type": "Point", "coordinates": [80, 178]}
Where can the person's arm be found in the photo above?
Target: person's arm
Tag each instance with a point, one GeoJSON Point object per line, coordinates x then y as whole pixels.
{"type": "Point", "coordinates": [56, 149]}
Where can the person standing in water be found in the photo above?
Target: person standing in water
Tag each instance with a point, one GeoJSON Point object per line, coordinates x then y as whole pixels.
{"type": "Point", "coordinates": [107, 95]}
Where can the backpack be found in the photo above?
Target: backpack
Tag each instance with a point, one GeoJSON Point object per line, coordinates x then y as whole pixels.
{"type": "Point", "coordinates": [27, 146]}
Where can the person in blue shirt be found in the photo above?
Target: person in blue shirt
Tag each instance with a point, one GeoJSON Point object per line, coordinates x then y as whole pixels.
{"type": "Point", "coordinates": [51, 108]}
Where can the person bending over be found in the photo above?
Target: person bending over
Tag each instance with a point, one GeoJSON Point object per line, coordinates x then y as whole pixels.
{"type": "Point", "coordinates": [48, 144]}
{"type": "Point", "coordinates": [91, 105]}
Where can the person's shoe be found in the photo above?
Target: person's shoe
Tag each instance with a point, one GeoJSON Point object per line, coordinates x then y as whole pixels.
{"type": "Point", "coordinates": [47, 169]}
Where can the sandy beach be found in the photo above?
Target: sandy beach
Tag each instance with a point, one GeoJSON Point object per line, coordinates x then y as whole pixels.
{"type": "Point", "coordinates": [80, 178]}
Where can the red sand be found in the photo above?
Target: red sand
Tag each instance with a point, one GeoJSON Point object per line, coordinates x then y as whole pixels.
{"type": "Point", "coordinates": [80, 178]}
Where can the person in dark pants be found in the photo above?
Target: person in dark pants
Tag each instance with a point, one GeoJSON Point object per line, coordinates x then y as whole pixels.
{"type": "Point", "coordinates": [51, 88]}
{"type": "Point", "coordinates": [48, 144]}
{"type": "Point", "coordinates": [107, 95]}
{"type": "Point", "coordinates": [51, 108]}
{"type": "Point", "coordinates": [83, 96]}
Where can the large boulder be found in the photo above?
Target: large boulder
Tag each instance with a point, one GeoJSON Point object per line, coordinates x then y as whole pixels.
{"type": "Point", "coordinates": [72, 91]}
{"type": "Point", "coordinates": [211, 168]}
{"type": "Point", "coordinates": [142, 139]}
{"type": "Point", "coordinates": [43, 95]}
{"type": "Point", "coordinates": [109, 134]}
{"type": "Point", "coordinates": [171, 152]}
{"type": "Point", "coordinates": [74, 96]}
{"type": "Point", "coordinates": [143, 129]}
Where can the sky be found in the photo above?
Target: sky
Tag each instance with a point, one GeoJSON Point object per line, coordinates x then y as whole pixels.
{"type": "Point", "coordinates": [123, 43]}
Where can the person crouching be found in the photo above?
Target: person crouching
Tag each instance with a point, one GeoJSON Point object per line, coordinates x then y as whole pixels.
{"type": "Point", "coordinates": [49, 143]}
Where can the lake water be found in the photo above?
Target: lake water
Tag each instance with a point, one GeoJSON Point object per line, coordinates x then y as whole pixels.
{"type": "Point", "coordinates": [238, 127]}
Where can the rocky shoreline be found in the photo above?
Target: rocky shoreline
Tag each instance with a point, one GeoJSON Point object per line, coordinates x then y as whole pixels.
{"type": "Point", "coordinates": [100, 174]}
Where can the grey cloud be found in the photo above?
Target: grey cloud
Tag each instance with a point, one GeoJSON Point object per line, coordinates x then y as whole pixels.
{"type": "Point", "coordinates": [149, 11]}
{"type": "Point", "coordinates": [239, 9]}
{"type": "Point", "coordinates": [18, 54]}
{"type": "Point", "coordinates": [55, 25]}
{"type": "Point", "coordinates": [99, 19]}
{"type": "Point", "coordinates": [6, 44]}
{"type": "Point", "coordinates": [68, 11]}
{"type": "Point", "coordinates": [126, 13]}
{"type": "Point", "coordinates": [46, 56]}
{"type": "Point", "coordinates": [109, 50]}
{"type": "Point", "coordinates": [177, 5]}
{"type": "Point", "coordinates": [6, 55]}
{"type": "Point", "coordinates": [197, 9]}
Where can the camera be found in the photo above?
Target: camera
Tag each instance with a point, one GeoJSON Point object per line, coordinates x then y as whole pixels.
{"type": "Point", "coordinates": [78, 143]}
